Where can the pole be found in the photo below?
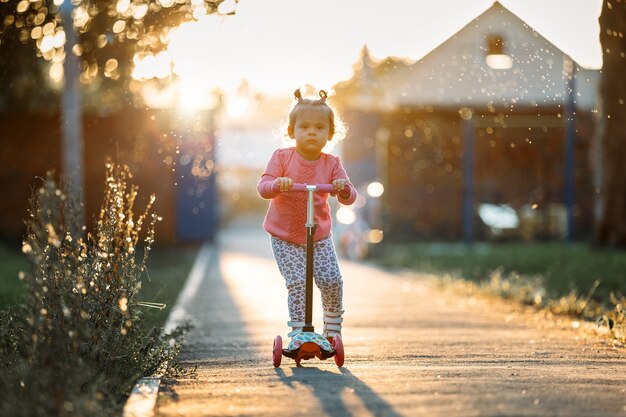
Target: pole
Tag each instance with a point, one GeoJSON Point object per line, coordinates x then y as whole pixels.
{"type": "Point", "coordinates": [570, 142]}
{"type": "Point", "coordinates": [468, 181]}
{"type": "Point", "coordinates": [71, 115]}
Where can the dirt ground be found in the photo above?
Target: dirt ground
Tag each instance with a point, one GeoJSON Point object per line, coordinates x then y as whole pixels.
{"type": "Point", "coordinates": [411, 347]}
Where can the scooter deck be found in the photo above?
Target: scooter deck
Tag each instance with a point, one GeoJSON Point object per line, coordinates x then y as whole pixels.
{"type": "Point", "coordinates": [308, 345]}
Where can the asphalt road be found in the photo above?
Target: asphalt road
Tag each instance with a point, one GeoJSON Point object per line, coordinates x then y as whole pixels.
{"type": "Point", "coordinates": [411, 347]}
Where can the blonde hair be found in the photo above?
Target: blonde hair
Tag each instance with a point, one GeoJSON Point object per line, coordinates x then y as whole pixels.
{"type": "Point", "coordinates": [334, 122]}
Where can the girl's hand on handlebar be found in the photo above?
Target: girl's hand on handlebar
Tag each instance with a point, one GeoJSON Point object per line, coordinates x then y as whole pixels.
{"type": "Point", "coordinates": [340, 184]}
{"type": "Point", "coordinates": [283, 183]}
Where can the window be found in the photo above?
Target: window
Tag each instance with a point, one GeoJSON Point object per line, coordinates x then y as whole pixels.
{"type": "Point", "coordinates": [496, 54]}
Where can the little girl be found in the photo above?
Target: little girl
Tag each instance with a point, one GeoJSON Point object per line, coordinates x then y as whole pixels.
{"type": "Point", "coordinates": [311, 125]}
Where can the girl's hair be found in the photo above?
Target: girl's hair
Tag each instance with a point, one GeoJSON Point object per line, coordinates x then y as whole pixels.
{"type": "Point", "coordinates": [335, 125]}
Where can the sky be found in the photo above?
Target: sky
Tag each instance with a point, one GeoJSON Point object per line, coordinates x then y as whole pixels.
{"type": "Point", "coordinates": [279, 45]}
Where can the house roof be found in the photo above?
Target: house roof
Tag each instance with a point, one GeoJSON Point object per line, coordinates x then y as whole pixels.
{"type": "Point", "coordinates": [456, 74]}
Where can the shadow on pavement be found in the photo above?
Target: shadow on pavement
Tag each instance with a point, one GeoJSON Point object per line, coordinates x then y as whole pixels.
{"type": "Point", "coordinates": [331, 388]}
{"type": "Point", "coordinates": [219, 333]}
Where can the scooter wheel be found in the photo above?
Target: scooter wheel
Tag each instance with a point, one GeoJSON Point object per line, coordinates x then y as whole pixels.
{"type": "Point", "coordinates": [338, 346]}
{"type": "Point", "coordinates": [277, 353]}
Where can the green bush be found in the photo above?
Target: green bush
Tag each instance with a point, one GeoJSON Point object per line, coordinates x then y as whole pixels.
{"type": "Point", "coordinates": [76, 344]}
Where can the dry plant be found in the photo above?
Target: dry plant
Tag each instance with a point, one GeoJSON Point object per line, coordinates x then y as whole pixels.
{"type": "Point", "coordinates": [614, 319]}
{"type": "Point", "coordinates": [530, 291]}
{"type": "Point", "coordinates": [76, 345]}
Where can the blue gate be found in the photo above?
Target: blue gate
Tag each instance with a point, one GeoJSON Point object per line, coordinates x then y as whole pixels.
{"type": "Point", "coordinates": [197, 211]}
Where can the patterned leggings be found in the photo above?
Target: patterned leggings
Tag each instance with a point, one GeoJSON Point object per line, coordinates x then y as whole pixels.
{"type": "Point", "coordinates": [291, 260]}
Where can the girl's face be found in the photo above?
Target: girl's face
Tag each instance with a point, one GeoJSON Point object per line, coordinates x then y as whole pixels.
{"type": "Point", "coordinates": [311, 132]}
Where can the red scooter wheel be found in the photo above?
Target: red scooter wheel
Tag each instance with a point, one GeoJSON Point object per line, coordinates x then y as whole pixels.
{"type": "Point", "coordinates": [338, 346]}
{"type": "Point", "coordinates": [277, 353]}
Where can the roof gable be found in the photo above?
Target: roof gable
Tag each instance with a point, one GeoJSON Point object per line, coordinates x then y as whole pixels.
{"type": "Point", "coordinates": [456, 72]}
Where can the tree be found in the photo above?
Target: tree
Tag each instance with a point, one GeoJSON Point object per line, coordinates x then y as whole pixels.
{"type": "Point", "coordinates": [24, 83]}
{"type": "Point", "coordinates": [98, 51]}
{"type": "Point", "coordinates": [610, 223]}
{"type": "Point", "coordinates": [110, 35]}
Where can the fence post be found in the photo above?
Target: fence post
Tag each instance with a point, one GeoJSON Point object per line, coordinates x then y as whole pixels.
{"type": "Point", "coordinates": [468, 177]}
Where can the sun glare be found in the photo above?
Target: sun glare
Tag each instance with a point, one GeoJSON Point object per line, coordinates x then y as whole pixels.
{"type": "Point", "coordinates": [195, 55]}
{"type": "Point", "coordinates": [205, 57]}
{"type": "Point", "coordinates": [237, 106]}
{"type": "Point", "coordinates": [192, 95]}
{"type": "Point", "coordinates": [152, 66]}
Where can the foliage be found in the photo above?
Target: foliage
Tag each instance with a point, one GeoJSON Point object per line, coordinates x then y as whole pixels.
{"type": "Point", "coordinates": [27, 76]}
{"type": "Point", "coordinates": [111, 35]}
{"type": "Point", "coordinates": [76, 345]}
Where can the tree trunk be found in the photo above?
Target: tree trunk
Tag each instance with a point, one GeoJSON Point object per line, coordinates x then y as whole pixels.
{"type": "Point", "coordinates": [610, 225]}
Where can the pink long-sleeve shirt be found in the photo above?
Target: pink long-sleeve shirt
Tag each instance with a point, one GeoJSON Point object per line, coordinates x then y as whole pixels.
{"type": "Point", "coordinates": [286, 215]}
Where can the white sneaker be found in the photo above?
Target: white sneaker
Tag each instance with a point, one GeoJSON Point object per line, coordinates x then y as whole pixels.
{"type": "Point", "coordinates": [332, 323]}
{"type": "Point", "coordinates": [296, 328]}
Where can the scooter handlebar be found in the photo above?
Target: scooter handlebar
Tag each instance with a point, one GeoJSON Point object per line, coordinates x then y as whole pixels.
{"type": "Point", "coordinates": [324, 188]}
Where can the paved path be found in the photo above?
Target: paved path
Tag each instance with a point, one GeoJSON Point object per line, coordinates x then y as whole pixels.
{"type": "Point", "coordinates": [411, 350]}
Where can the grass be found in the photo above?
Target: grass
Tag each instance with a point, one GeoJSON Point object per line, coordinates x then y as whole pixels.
{"type": "Point", "coordinates": [12, 262]}
{"type": "Point", "coordinates": [560, 267]}
{"type": "Point", "coordinates": [570, 279]}
{"type": "Point", "coordinates": [167, 271]}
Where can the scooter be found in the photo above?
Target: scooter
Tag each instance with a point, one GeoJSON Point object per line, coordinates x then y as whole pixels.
{"type": "Point", "coordinates": [308, 344]}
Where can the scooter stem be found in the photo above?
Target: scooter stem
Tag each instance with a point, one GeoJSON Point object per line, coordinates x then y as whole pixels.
{"type": "Point", "coordinates": [310, 206]}
{"type": "Point", "coordinates": [310, 243]}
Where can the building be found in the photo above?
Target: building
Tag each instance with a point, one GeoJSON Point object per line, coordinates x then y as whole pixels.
{"type": "Point", "coordinates": [495, 114]}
